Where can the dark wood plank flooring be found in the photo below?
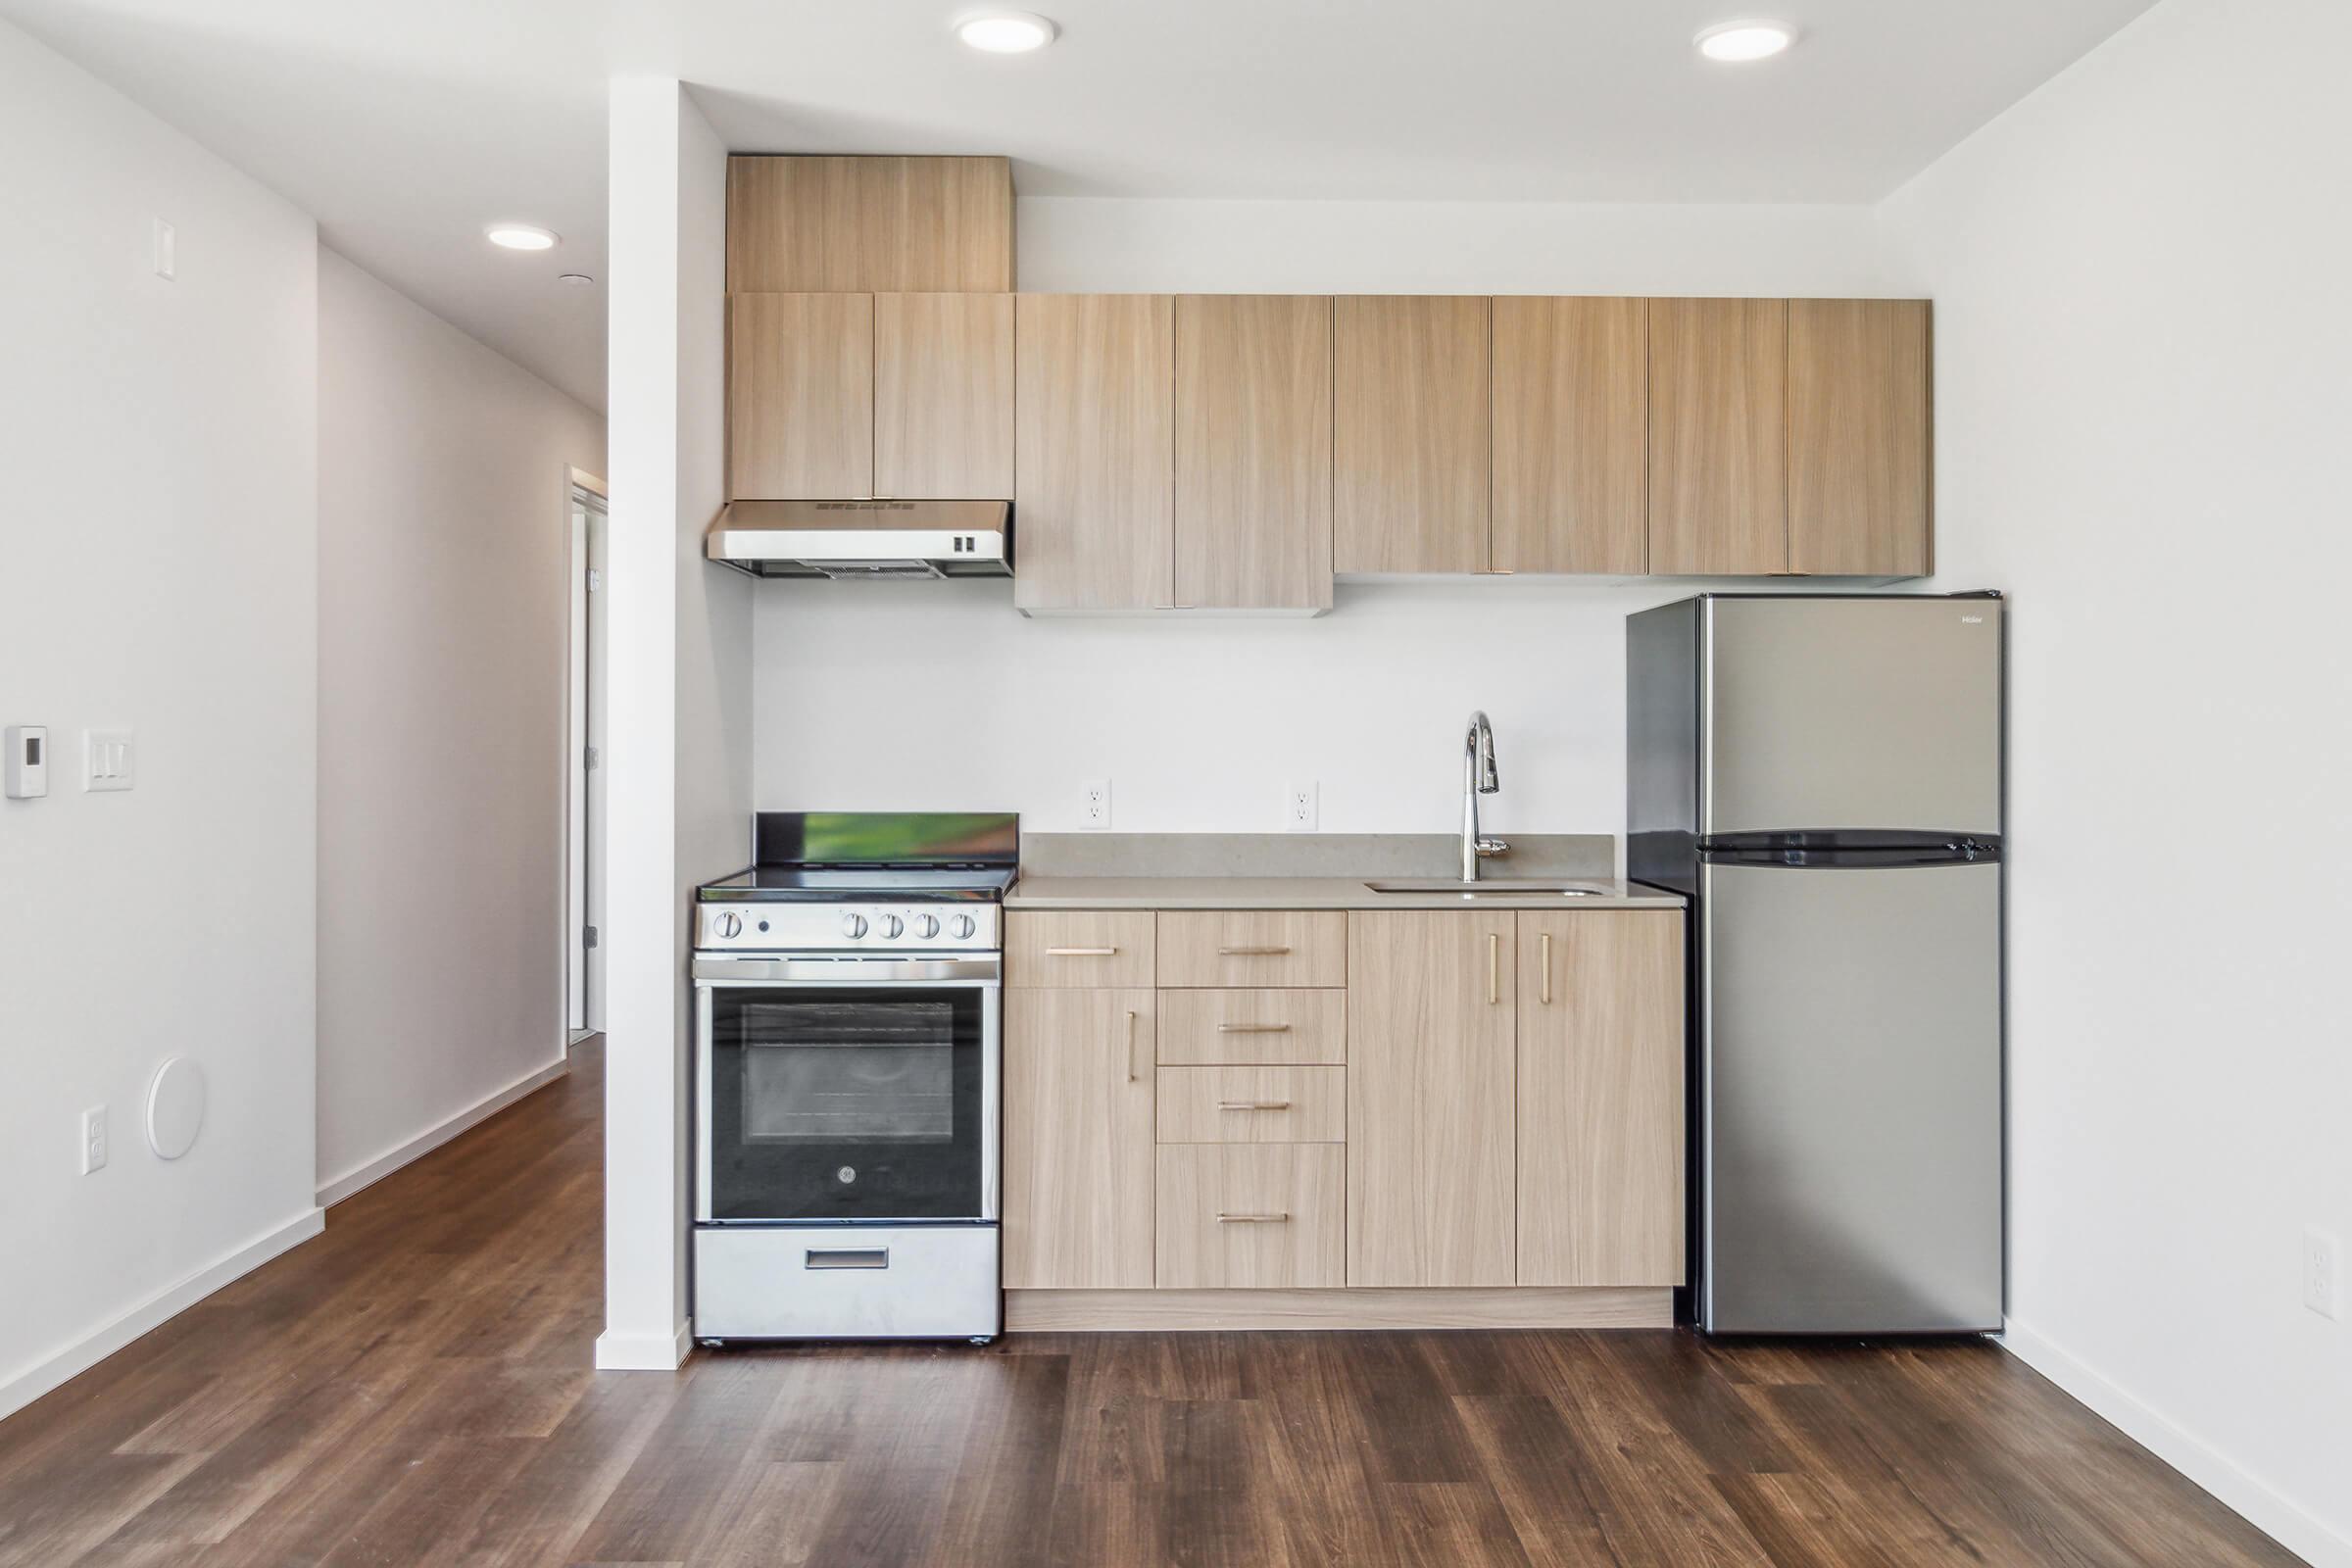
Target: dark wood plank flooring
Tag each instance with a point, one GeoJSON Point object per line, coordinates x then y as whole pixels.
{"type": "Point", "coordinates": [414, 1387]}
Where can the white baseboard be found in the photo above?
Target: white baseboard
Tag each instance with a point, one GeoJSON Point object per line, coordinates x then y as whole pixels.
{"type": "Point", "coordinates": [2277, 1516]}
{"type": "Point", "coordinates": [28, 1385]}
{"type": "Point", "coordinates": [642, 1352]}
{"type": "Point", "coordinates": [432, 1138]}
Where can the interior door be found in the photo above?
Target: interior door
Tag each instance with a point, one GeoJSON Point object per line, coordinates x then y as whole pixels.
{"type": "Point", "coordinates": [1850, 1071]}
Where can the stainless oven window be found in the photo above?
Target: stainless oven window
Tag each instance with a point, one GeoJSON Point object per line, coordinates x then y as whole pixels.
{"type": "Point", "coordinates": [827, 1071]}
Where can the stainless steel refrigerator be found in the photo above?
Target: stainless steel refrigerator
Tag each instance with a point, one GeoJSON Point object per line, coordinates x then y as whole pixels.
{"type": "Point", "coordinates": [1822, 775]}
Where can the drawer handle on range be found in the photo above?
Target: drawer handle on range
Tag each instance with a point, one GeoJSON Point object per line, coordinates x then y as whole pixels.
{"type": "Point", "coordinates": [846, 1257]}
{"type": "Point", "coordinates": [1253, 1105]}
{"type": "Point", "coordinates": [1130, 1045]}
{"type": "Point", "coordinates": [1253, 1219]}
{"type": "Point", "coordinates": [1080, 953]}
{"type": "Point", "coordinates": [1254, 1028]}
{"type": "Point", "coordinates": [1252, 953]}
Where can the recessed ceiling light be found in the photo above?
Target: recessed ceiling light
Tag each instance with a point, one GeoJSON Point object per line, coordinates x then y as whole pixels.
{"type": "Point", "coordinates": [1737, 43]}
{"type": "Point", "coordinates": [521, 236]}
{"type": "Point", "coordinates": [1005, 33]}
{"type": "Point", "coordinates": [574, 277]}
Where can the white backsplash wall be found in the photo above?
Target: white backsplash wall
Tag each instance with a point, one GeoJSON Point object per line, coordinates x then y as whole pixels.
{"type": "Point", "coordinates": [915, 696]}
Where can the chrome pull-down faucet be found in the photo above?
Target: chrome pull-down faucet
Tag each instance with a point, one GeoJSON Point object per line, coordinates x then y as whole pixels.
{"type": "Point", "coordinates": [1478, 779]}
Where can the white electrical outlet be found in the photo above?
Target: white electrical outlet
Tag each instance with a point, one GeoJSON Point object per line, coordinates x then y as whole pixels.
{"type": "Point", "coordinates": [2321, 1267]}
{"type": "Point", "coordinates": [1094, 803]}
{"type": "Point", "coordinates": [1298, 809]}
{"type": "Point", "coordinates": [109, 759]}
{"type": "Point", "coordinates": [93, 1139]}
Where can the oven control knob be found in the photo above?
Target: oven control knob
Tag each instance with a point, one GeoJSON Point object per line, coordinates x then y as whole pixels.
{"type": "Point", "coordinates": [926, 925]}
{"type": "Point", "coordinates": [962, 928]}
{"type": "Point", "coordinates": [892, 925]}
{"type": "Point", "coordinates": [853, 926]}
{"type": "Point", "coordinates": [730, 924]}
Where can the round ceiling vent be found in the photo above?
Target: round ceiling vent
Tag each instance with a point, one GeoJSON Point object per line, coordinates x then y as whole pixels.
{"type": "Point", "coordinates": [174, 1106]}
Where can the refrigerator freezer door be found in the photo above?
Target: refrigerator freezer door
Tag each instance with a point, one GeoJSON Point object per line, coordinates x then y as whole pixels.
{"type": "Point", "coordinates": [1850, 1081]}
{"type": "Point", "coordinates": [1826, 713]}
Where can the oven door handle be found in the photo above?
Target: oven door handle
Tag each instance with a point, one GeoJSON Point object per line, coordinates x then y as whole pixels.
{"type": "Point", "coordinates": [847, 971]}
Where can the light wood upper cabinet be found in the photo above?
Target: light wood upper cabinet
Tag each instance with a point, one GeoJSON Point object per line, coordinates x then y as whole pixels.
{"type": "Point", "coordinates": [1079, 1139]}
{"type": "Point", "coordinates": [1571, 436]}
{"type": "Point", "coordinates": [1718, 437]}
{"type": "Point", "coordinates": [1858, 397]}
{"type": "Point", "coordinates": [1253, 452]}
{"type": "Point", "coordinates": [800, 396]}
{"type": "Point", "coordinates": [1410, 436]}
{"type": "Point", "coordinates": [942, 396]}
{"type": "Point", "coordinates": [1600, 1098]}
{"type": "Point", "coordinates": [1096, 493]}
{"type": "Point", "coordinates": [826, 224]}
{"type": "Point", "coordinates": [1431, 1063]}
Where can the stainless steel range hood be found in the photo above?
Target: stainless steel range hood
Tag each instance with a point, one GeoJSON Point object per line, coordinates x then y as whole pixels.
{"type": "Point", "coordinates": [864, 539]}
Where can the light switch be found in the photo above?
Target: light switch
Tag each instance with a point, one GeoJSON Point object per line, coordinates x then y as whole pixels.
{"type": "Point", "coordinates": [109, 759]}
{"type": "Point", "coordinates": [27, 761]}
{"type": "Point", "coordinates": [166, 250]}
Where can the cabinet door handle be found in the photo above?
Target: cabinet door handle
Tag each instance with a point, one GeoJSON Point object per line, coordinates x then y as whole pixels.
{"type": "Point", "coordinates": [1252, 953]}
{"type": "Point", "coordinates": [1253, 1105]}
{"type": "Point", "coordinates": [1130, 1045]}
{"type": "Point", "coordinates": [1254, 1028]}
{"type": "Point", "coordinates": [1548, 968]}
{"type": "Point", "coordinates": [1253, 1219]}
{"type": "Point", "coordinates": [1493, 967]}
{"type": "Point", "coordinates": [1080, 953]}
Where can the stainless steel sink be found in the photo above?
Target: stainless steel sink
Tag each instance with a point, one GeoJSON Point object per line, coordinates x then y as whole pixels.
{"type": "Point", "coordinates": [1496, 887]}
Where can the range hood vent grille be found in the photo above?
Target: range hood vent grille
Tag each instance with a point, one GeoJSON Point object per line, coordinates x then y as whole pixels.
{"type": "Point", "coordinates": [864, 541]}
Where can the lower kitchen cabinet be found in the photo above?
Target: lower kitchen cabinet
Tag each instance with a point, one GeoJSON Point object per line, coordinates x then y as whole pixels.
{"type": "Point", "coordinates": [1431, 1003]}
{"type": "Point", "coordinates": [1238, 1217]}
{"type": "Point", "coordinates": [1079, 1138]}
{"type": "Point", "coordinates": [1600, 1098]}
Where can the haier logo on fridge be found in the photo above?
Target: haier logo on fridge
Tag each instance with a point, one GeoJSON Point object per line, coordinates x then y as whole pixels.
{"type": "Point", "coordinates": [1972, 621]}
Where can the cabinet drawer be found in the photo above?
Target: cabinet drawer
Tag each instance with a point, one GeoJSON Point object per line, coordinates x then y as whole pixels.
{"type": "Point", "coordinates": [1254, 948]}
{"type": "Point", "coordinates": [1244, 1215]}
{"type": "Point", "coordinates": [1062, 948]}
{"type": "Point", "coordinates": [1254, 1106]}
{"type": "Point", "coordinates": [1276, 1028]}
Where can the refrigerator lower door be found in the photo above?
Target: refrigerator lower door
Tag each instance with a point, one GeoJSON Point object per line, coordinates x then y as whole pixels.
{"type": "Point", "coordinates": [1849, 1061]}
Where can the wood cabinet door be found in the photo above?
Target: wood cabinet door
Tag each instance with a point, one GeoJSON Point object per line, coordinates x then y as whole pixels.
{"type": "Point", "coordinates": [1858, 443]}
{"type": "Point", "coordinates": [1079, 1139]}
{"type": "Point", "coordinates": [869, 224]}
{"type": "Point", "coordinates": [1253, 452]}
{"type": "Point", "coordinates": [1717, 437]}
{"type": "Point", "coordinates": [1412, 455]}
{"type": "Point", "coordinates": [1429, 1067]}
{"type": "Point", "coordinates": [942, 396]}
{"type": "Point", "coordinates": [1095, 492]}
{"type": "Point", "coordinates": [1600, 1098]}
{"type": "Point", "coordinates": [799, 397]}
{"type": "Point", "coordinates": [1571, 436]}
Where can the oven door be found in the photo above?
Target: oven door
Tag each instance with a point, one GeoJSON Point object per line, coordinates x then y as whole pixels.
{"type": "Point", "coordinates": [846, 1090]}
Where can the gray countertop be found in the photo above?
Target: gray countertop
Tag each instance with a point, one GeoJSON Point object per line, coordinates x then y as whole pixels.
{"type": "Point", "coordinates": [1307, 893]}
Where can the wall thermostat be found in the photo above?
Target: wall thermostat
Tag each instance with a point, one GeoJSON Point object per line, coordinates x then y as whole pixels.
{"type": "Point", "coordinates": [27, 761]}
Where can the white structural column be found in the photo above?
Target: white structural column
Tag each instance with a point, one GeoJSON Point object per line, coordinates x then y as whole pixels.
{"type": "Point", "coordinates": [678, 722]}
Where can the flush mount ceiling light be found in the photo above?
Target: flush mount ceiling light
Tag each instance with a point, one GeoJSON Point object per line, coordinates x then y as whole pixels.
{"type": "Point", "coordinates": [521, 236]}
{"type": "Point", "coordinates": [574, 277]}
{"type": "Point", "coordinates": [1739, 42]}
{"type": "Point", "coordinates": [1005, 32]}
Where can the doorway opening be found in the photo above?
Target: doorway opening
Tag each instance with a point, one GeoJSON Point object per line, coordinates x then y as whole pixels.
{"type": "Point", "coordinates": [584, 811]}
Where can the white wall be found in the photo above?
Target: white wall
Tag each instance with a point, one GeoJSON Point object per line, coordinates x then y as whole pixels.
{"type": "Point", "coordinates": [903, 696]}
{"type": "Point", "coordinates": [679, 778]}
{"type": "Point", "coordinates": [443, 754]}
{"type": "Point", "coordinates": [158, 570]}
{"type": "Point", "coordinates": [2143, 405]}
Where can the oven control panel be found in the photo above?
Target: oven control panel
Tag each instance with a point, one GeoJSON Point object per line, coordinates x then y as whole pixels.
{"type": "Point", "coordinates": [753, 927]}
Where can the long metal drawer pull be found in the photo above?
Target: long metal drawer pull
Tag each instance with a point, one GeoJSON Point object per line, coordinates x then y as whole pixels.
{"type": "Point", "coordinates": [846, 1257]}
{"type": "Point", "coordinates": [1080, 953]}
{"type": "Point", "coordinates": [1252, 953]}
{"type": "Point", "coordinates": [1253, 1219]}
{"type": "Point", "coordinates": [1493, 967]}
{"type": "Point", "coordinates": [1130, 1045]}
{"type": "Point", "coordinates": [1254, 1028]}
{"type": "Point", "coordinates": [1548, 968]}
{"type": "Point", "coordinates": [1253, 1105]}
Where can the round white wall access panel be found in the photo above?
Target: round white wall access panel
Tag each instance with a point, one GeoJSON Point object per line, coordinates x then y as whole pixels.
{"type": "Point", "coordinates": [175, 1108]}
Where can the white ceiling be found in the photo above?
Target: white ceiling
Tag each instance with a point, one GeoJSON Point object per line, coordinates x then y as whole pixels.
{"type": "Point", "coordinates": [406, 127]}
